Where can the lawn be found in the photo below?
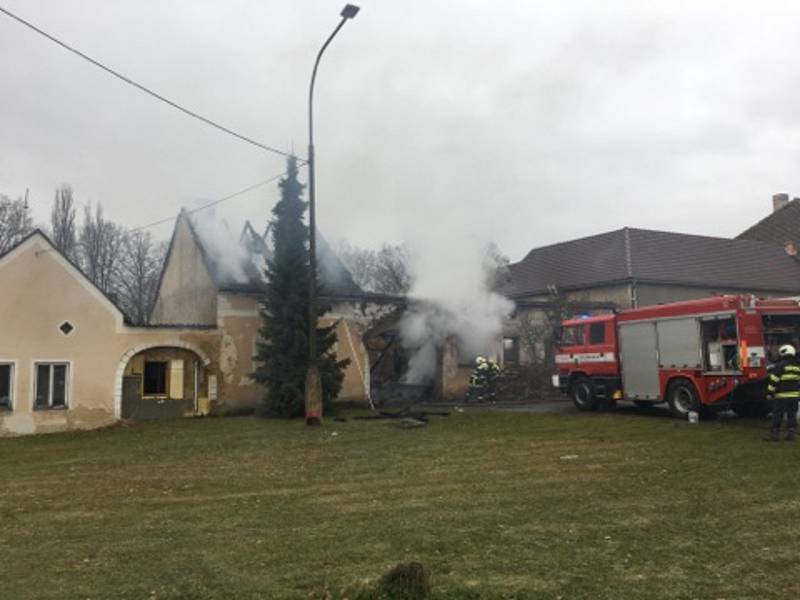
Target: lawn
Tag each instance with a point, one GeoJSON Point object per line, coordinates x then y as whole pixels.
{"type": "Point", "coordinates": [545, 506]}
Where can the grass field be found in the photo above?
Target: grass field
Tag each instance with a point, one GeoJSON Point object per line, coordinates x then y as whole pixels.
{"type": "Point", "coordinates": [545, 506]}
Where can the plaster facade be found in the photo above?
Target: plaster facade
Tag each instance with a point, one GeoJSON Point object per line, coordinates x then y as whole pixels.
{"type": "Point", "coordinates": [43, 291]}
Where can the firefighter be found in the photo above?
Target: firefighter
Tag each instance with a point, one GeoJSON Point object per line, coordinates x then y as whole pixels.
{"type": "Point", "coordinates": [783, 390]}
{"type": "Point", "coordinates": [482, 380]}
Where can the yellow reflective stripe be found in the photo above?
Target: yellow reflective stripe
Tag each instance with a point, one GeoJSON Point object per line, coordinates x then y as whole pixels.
{"type": "Point", "coordinates": [785, 395]}
{"type": "Point", "coordinates": [773, 377]}
{"type": "Point", "coordinates": [770, 388]}
{"type": "Point", "coordinates": [790, 377]}
{"type": "Point", "coordinates": [794, 368]}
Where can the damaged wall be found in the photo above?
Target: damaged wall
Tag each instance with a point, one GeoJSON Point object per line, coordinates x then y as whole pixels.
{"type": "Point", "coordinates": [239, 323]}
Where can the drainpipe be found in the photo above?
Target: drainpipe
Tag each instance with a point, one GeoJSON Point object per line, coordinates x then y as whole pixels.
{"type": "Point", "coordinates": [634, 297]}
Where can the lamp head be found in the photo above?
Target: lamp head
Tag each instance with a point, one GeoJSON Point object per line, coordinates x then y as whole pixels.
{"type": "Point", "coordinates": [349, 11]}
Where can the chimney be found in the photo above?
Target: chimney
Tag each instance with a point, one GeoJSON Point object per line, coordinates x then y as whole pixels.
{"type": "Point", "coordinates": [790, 248]}
{"type": "Point", "coordinates": [779, 201]}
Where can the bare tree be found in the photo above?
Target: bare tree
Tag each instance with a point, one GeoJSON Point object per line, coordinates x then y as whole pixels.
{"type": "Point", "coordinates": [138, 270]}
{"type": "Point", "coordinates": [385, 271]}
{"type": "Point", "coordinates": [15, 222]}
{"type": "Point", "coordinates": [62, 222]}
{"type": "Point", "coordinates": [100, 244]}
{"type": "Point", "coordinates": [359, 261]}
{"type": "Point", "coordinates": [392, 274]}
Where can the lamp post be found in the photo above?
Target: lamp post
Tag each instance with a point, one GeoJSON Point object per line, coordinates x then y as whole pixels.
{"type": "Point", "coordinates": [313, 389]}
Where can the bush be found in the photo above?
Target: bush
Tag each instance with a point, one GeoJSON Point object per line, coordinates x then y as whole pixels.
{"type": "Point", "coordinates": [406, 581]}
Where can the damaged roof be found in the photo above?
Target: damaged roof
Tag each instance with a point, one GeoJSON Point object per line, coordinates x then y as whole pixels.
{"type": "Point", "coordinates": [627, 255]}
{"type": "Point", "coordinates": [778, 227]}
{"type": "Point", "coordinates": [238, 265]}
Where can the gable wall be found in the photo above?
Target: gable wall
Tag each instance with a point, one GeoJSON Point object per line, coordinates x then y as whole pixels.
{"type": "Point", "coordinates": [41, 291]}
{"type": "Point", "coordinates": [186, 294]}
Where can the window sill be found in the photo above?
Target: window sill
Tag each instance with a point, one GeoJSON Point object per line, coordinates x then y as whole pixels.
{"type": "Point", "coordinates": [49, 408]}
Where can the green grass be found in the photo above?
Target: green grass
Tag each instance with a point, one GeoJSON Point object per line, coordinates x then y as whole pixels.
{"type": "Point", "coordinates": [243, 508]}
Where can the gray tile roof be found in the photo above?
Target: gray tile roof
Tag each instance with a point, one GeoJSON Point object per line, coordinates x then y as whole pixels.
{"type": "Point", "coordinates": [778, 227]}
{"type": "Point", "coordinates": [663, 257]}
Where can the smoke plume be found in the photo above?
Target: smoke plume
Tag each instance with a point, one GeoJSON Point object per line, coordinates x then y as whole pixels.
{"type": "Point", "coordinates": [451, 297]}
{"type": "Point", "coordinates": [228, 257]}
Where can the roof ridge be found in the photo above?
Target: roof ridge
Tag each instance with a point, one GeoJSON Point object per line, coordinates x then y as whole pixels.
{"type": "Point", "coordinates": [628, 259]}
{"type": "Point", "coordinates": [572, 241]}
{"type": "Point", "coordinates": [732, 240]}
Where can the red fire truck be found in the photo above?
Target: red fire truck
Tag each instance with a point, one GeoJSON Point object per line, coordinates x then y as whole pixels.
{"type": "Point", "coordinates": [698, 355]}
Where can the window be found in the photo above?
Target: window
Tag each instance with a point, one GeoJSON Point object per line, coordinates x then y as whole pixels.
{"type": "Point", "coordinates": [155, 378]}
{"type": "Point", "coordinates": [51, 385]}
{"type": "Point", "coordinates": [572, 336]}
{"type": "Point", "coordinates": [511, 350]}
{"type": "Point", "coordinates": [597, 333]}
{"type": "Point", "coordinates": [6, 379]}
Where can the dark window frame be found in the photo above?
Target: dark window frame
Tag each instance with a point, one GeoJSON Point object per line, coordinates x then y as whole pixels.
{"type": "Point", "coordinates": [595, 327]}
{"type": "Point", "coordinates": [52, 401]}
{"type": "Point", "coordinates": [9, 405]}
{"type": "Point", "coordinates": [160, 380]}
{"type": "Point", "coordinates": [511, 355]}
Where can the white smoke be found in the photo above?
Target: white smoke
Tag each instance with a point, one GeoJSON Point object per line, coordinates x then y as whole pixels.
{"type": "Point", "coordinates": [452, 298]}
{"type": "Point", "coordinates": [228, 256]}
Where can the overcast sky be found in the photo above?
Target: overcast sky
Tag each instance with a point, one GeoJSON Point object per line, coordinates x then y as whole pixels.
{"type": "Point", "coordinates": [522, 122]}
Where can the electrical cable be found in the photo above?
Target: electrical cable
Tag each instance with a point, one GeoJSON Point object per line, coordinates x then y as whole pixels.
{"type": "Point", "coordinates": [139, 86]}
{"type": "Point", "coordinates": [213, 202]}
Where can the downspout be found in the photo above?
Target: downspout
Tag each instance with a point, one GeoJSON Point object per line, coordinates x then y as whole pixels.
{"type": "Point", "coordinates": [629, 268]}
{"type": "Point", "coordinates": [196, 386]}
{"type": "Point", "coordinates": [634, 296]}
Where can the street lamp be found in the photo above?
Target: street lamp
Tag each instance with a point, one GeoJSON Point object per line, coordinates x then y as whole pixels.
{"type": "Point", "coordinates": [313, 390]}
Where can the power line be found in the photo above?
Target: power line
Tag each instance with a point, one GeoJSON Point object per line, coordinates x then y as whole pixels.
{"type": "Point", "coordinates": [214, 202]}
{"type": "Point", "coordinates": [139, 86]}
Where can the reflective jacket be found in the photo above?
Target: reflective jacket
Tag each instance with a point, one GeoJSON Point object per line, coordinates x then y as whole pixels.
{"type": "Point", "coordinates": [784, 380]}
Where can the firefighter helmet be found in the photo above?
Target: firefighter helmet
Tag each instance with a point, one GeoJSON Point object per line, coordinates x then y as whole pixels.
{"type": "Point", "coordinates": [787, 350]}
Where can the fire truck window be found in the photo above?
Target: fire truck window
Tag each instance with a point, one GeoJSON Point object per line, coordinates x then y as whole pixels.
{"type": "Point", "coordinates": [573, 336]}
{"type": "Point", "coordinates": [720, 345]}
{"type": "Point", "coordinates": [597, 333]}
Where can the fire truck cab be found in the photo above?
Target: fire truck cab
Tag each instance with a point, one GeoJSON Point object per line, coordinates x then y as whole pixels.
{"type": "Point", "coordinates": [699, 355]}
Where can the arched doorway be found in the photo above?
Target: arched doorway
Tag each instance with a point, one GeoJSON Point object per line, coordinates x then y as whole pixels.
{"type": "Point", "coordinates": [162, 382]}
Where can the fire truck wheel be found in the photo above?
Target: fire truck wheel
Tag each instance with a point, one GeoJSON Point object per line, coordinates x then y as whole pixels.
{"type": "Point", "coordinates": [583, 393]}
{"type": "Point", "coordinates": [682, 398]}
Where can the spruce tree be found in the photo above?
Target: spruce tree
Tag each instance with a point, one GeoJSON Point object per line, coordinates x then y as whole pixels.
{"type": "Point", "coordinates": [282, 350]}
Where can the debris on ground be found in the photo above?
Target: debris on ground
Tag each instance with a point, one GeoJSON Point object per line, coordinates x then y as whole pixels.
{"type": "Point", "coordinates": [408, 423]}
{"type": "Point", "coordinates": [568, 457]}
{"type": "Point", "coordinates": [406, 413]}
